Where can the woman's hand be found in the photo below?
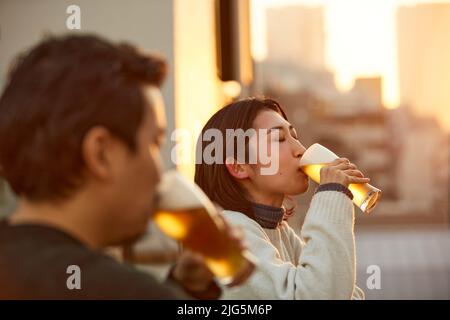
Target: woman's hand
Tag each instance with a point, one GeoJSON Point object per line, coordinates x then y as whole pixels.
{"type": "Point", "coordinates": [341, 171]}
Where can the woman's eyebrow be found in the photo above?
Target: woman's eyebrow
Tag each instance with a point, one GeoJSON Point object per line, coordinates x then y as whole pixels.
{"type": "Point", "coordinates": [279, 128]}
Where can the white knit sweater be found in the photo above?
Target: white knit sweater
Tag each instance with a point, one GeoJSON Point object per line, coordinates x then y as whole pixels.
{"type": "Point", "coordinates": [318, 265]}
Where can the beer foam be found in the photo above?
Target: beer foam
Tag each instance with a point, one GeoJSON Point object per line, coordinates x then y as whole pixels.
{"type": "Point", "coordinates": [317, 154]}
{"type": "Point", "coordinates": [177, 192]}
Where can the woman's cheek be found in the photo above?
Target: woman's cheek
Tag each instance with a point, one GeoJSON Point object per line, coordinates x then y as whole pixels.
{"type": "Point", "coordinates": [284, 161]}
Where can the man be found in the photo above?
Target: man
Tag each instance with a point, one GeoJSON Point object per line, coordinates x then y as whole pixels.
{"type": "Point", "coordinates": [82, 122]}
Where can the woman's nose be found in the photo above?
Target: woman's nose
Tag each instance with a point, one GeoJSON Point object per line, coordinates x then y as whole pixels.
{"type": "Point", "coordinates": [299, 150]}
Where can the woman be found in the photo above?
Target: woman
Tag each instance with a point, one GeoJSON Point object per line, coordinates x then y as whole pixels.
{"type": "Point", "coordinates": [318, 265]}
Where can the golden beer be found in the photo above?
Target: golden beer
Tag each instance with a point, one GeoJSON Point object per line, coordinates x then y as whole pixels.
{"type": "Point", "coordinates": [185, 214]}
{"type": "Point", "coordinates": [365, 196]}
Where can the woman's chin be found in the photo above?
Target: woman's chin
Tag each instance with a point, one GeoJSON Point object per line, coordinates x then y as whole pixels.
{"type": "Point", "coordinates": [304, 184]}
{"type": "Point", "coordinates": [299, 189]}
{"type": "Point", "coordinates": [304, 188]}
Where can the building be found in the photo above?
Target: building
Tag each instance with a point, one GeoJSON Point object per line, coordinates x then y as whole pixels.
{"type": "Point", "coordinates": [305, 43]}
{"type": "Point", "coordinates": [424, 67]}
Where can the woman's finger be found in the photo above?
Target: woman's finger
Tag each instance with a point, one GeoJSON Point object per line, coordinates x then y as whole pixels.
{"type": "Point", "coordinates": [354, 173]}
{"type": "Point", "coordinates": [358, 180]}
{"type": "Point", "coordinates": [339, 161]}
{"type": "Point", "coordinates": [341, 166]}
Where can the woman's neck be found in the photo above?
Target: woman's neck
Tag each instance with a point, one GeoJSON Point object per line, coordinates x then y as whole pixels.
{"type": "Point", "coordinates": [267, 199]}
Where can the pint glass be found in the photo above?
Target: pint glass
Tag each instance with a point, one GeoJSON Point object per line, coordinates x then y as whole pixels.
{"type": "Point", "coordinates": [187, 215]}
{"type": "Point", "coordinates": [365, 196]}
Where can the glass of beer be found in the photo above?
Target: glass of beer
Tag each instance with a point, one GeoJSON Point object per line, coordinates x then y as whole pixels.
{"type": "Point", "coordinates": [187, 215]}
{"type": "Point", "coordinates": [365, 196]}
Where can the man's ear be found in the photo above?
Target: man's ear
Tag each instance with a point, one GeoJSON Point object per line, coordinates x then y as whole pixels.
{"type": "Point", "coordinates": [238, 171]}
{"type": "Point", "coordinates": [97, 148]}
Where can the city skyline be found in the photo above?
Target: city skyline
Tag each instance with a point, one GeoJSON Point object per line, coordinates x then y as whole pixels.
{"type": "Point", "coordinates": [367, 51]}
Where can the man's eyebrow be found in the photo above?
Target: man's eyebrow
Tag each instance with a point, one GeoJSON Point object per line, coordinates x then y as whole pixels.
{"type": "Point", "coordinates": [162, 131]}
{"type": "Point", "coordinates": [161, 134]}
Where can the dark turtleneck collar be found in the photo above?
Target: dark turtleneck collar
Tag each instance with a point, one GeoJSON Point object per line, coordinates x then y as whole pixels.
{"type": "Point", "coordinates": [267, 216]}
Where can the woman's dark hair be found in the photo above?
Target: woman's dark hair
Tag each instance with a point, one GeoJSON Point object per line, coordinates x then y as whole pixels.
{"type": "Point", "coordinates": [214, 179]}
{"type": "Point", "coordinates": [55, 94]}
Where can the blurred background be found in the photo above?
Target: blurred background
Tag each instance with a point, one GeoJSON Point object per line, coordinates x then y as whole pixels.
{"type": "Point", "coordinates": [368, 79]}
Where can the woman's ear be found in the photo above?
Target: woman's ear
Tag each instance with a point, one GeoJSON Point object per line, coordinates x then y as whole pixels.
{"type": "Point", "coordinates": [238, 171]}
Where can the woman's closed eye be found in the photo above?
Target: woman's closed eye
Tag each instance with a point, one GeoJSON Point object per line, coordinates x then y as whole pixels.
{"type": "Point", "coordinates": [294, 133]}
{"type": "Point", "coordinates": [282, 136]}
{"type": "Point", "coordinates": [283, 132]}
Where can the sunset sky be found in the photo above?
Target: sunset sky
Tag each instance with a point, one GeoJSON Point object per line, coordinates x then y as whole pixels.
{"type": "Point", "coordinates": [360, 38]}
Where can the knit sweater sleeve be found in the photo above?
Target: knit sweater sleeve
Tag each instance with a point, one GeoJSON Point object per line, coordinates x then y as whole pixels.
{"type": "Point", "coordinates": [326, 257]}
{"type": "Point", "coordinates": [297, 244]}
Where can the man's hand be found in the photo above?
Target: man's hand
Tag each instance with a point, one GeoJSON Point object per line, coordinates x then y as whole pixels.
{"type": "Point", "coordinates": [192, 273]}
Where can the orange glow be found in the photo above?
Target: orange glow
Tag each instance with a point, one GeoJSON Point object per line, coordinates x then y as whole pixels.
{"type": "Point", "coordinates": [360, 39]}
{"type": "Point", "coordinates": [198, 91]}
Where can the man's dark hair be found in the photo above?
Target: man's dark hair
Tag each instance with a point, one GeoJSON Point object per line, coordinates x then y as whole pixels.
{"type": "Point", "coordinates": [55, 94]}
